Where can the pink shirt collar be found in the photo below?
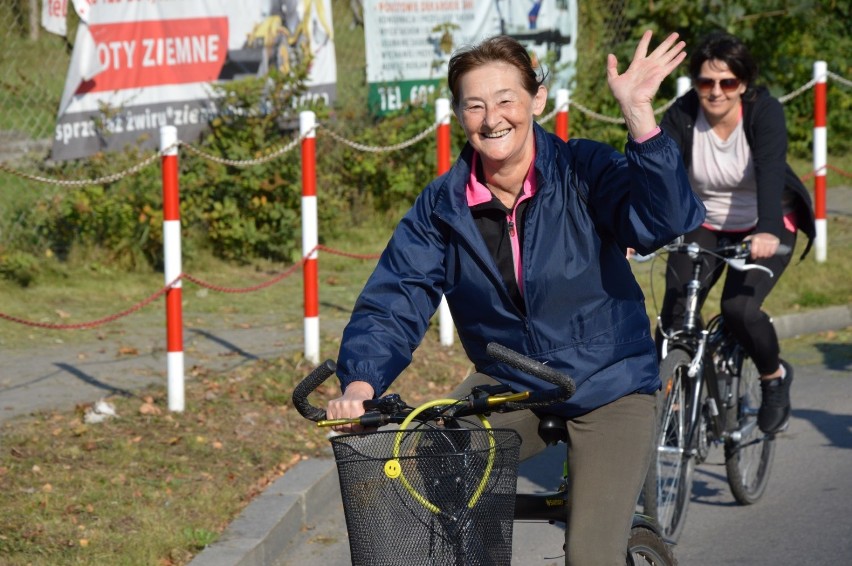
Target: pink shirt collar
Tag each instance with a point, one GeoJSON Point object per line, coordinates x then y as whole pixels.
{"type": "Point", "coordinates": [478, 193]}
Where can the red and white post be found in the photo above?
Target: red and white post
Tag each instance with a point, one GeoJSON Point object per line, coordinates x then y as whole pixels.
{"type": "Point", "coordinates": [442, 117]}
{"type": "Point", "coordinates": [820, 159]}
{"type": "Point", "coordinates": [310, 238]}
{"type": "Point", "coordinates": [173, 269]}
{"type": "Point", "coordinates": [562, 101]}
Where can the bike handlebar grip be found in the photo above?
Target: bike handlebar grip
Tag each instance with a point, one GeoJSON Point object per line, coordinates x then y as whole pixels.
{"type": "Point", "coordinates": [537, 369]}
{"type": "Point", "coordinates": [307, 386]}
{"type": "Point", "coordinates": [783, 249]}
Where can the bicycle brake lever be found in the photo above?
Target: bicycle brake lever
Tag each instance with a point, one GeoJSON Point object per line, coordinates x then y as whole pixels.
{"type": "Point", "coordinates": [740, 265]}
{"type": "Point", "coordinates": [387, 405]}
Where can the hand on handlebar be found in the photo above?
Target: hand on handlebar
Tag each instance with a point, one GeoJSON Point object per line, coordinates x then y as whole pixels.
{"type": "Point", "coordinates": [763, 245]}
{"type": "Point", "coordinates": [350, 405]}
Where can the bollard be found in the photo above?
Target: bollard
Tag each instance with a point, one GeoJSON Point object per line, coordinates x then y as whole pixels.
{"type": "Point", "coordinates": [310, 238]}
{"type": "Point", "coordinates": [172, 268]}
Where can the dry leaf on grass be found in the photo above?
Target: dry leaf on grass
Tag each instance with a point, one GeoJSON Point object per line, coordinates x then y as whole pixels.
{"type": "Point", "coordinates": [149, 408]}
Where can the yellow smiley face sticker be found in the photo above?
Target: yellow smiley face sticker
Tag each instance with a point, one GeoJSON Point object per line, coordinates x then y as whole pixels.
{"type": "Point", "coordinates": [393, 469]}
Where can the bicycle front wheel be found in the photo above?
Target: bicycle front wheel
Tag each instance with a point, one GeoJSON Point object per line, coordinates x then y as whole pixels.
{"type": "Point", "coordinates": [749, 452]}
{"type": "Point", "coordinates": [668, 486]}
{"type": "Point", "coordinates": [647, 547]}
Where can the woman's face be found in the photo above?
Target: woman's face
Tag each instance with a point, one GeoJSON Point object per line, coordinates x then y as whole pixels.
{"type": "Point", "coordinates": [496, 113]}
{"type": "Point", "coordinates": [719, 89]}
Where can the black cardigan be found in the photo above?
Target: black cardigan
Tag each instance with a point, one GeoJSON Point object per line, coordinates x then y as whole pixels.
{"type": "Point", "coordinates": [766, 134]}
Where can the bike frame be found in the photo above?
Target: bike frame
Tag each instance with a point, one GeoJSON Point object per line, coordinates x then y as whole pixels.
{"type": "Point", "coordinates": [697, 342]}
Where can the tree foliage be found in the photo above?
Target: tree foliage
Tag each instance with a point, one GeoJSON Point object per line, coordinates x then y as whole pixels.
{"type": "Point", "coordinates": [786, 37]}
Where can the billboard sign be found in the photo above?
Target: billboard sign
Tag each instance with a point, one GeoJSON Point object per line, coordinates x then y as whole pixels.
{"type": "Point", "coordinates": [138, 66]}
{"type": "Point", "coordinates": [409, 42]}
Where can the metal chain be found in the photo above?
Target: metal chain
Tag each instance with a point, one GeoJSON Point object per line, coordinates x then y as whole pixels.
{"type": "Point", "coordinates": [245, 162]}
{"type": "Point", "coordinates": [841, 80]}
{"type": "Point", "coordinates": [797, 92]}
{"type": "Point", "coordinates": [268, 283]}
{"type": "Point", "coordinates": [548, 117]}
{"type": "Point", "coordinates": [601, 117]}
{"type": "Point", "coordinates": [93, 323]}
{"type": "Point", "coordinates": [82, 182]}
{"type": "Point", "coordinates": [187, 277]}
{"type": "Point", "coordinates": [381, 149]}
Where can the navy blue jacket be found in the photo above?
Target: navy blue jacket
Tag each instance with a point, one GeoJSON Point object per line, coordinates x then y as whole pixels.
{"type": "Point", "coordinates": [585, 312]}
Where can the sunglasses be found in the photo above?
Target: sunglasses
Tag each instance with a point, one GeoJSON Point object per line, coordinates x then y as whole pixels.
{"type": "Point", "coordinates": [727, 85]}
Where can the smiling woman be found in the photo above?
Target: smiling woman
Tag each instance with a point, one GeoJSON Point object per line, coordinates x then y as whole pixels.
{"type": "Point", "coordinates": [525, 237]}
{"type": "Point", "coordinates": [733, 137]}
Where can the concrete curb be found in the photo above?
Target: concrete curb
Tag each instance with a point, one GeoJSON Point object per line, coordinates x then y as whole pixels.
{"type": "Point", "coordinates": [260, 534]}
{"type": "Point", "coordinates": [831, 318]}
{"type": "Point", "coordinates": [263, 530]}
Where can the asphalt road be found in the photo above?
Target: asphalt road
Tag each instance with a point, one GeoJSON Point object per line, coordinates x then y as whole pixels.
{"type": "Point", "coordinates": [803, 518]}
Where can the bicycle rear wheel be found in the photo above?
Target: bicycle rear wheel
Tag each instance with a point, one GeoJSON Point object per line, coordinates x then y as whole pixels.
{"type": "Point", "coordinates": [668, 485]}
{"type": "Point", "coordinates": [748, 458]}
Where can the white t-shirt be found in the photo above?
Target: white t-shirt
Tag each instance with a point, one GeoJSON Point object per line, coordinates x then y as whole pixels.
{"type": "Point", "coordinates": [722, 175]}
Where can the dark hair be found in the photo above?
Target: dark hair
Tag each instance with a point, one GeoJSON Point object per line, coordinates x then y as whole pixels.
{"type": "Point", "coordinates": [500, 48]}
{"type": "Point", "coordinates": [729, 49]}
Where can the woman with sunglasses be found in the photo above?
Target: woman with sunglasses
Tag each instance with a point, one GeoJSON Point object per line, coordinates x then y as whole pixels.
{"type": "Point", "coordinates": [733, 139]}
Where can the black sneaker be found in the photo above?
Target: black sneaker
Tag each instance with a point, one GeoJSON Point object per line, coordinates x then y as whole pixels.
{"type": "Point", "coordinates": [774, 412]}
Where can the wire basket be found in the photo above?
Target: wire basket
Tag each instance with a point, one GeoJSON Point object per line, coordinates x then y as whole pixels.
{"type": "Point", "coordinates": [429, 496]}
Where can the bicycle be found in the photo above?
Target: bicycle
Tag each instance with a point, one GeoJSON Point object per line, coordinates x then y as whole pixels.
{"type": "Point", "coordinates": [710, 395]}
{"type": "Point", "coordinates": [441, 488]}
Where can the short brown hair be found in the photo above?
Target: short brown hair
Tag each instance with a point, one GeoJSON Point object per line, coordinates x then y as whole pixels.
{"type": "Point", "coordinates": [500, 48]}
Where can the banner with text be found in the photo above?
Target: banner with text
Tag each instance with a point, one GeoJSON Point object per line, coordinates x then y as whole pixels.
{"type": "Point", "coordinates": [409, 42]}
{"type": "Point", "coordinates": [138, 66]}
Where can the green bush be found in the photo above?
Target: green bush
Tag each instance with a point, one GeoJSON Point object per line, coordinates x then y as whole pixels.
{"type": "Point", "coordinates": [20, 267]}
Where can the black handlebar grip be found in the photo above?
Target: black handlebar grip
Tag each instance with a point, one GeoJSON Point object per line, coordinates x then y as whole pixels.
{"type": "Point", "coordinates": [307, 386]}
{"type": "Point", "coordinates": [527, 365]}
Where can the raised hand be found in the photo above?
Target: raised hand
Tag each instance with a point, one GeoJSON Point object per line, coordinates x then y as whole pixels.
{"type": "Point", "coordinates": [636, 87]}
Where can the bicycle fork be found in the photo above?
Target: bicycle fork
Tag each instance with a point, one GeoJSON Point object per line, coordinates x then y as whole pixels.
{"type": "Point", "coordinates": [702, 374]}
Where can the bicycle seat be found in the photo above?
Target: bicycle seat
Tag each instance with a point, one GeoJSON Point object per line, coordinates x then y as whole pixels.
{"type": "Point", "coordinates": [552, 429]}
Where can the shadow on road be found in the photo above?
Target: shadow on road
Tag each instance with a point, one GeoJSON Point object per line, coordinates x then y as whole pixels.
{"type": "Point", "coordinates": [835, 428]}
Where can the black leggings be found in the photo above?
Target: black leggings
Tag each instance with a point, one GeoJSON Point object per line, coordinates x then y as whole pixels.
{"type": "Point", "coordinates": [742, 295]}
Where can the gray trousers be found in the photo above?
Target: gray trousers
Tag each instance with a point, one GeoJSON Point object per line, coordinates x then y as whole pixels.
{"type": "Point", "coordinates": [609, 450]}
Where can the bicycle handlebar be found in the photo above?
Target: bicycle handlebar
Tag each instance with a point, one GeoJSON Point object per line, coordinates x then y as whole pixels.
{"type": "Point", "coordinates": [565, 387]}
{"type": "Point", "coordinates": [734, 255]}
{"type": "Point", "coordinates": [307, 386]}
{"type": "Point", "coordinates": [528, 365]}
{"type": "Point", "coordinates": [741, 250]}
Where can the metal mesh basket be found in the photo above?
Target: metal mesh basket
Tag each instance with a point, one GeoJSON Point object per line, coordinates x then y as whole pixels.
{"type": "Point", "coordinates": [430, 497]}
